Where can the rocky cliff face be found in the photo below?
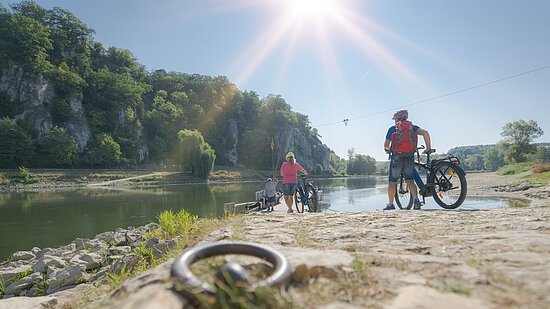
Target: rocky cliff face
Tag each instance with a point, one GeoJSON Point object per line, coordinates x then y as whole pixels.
{"type": "Point", "coordinates": [35, 94]}
{"type": "Point", "coordinates": [309, 151]}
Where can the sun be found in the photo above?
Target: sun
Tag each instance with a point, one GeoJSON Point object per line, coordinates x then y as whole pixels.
{"type": "Point", "coordinates": [311, 9]}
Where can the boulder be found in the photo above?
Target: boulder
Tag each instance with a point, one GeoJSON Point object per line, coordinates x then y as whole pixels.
{"type": "Point", "coordinates": [127, 263]}
{"type": "Point", "coordinates": [23, 284]}
{"type": "Point", "coordinates": [160, 247]}
{"type": "Point", "coordinates": [46, 262]}
{"type": "Point", "coordinates": [29, 302]}
{"type": "Point", "coordinates": [23, 255]}
{"type": "Point", "coordinates": [120, 250]}
{"type": "Point", "coordinates": [9, 273]}
{"type": "Point", "coordinates": [71, 275]}
{"type": "Point", "coordinates": [90, 260]}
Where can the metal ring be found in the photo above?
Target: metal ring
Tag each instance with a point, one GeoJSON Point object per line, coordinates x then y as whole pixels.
{"type": "Point", "coordinates": [180, 268]}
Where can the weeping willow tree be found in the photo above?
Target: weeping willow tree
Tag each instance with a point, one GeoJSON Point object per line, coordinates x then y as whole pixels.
{"type": "Point", "coordinates": [197, 157]}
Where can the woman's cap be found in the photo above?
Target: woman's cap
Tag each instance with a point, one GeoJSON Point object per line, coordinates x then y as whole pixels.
{"type": "Point", "coordinates": [290, 154]}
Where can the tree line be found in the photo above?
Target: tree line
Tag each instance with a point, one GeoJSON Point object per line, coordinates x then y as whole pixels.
{"type": "Point", "coordinates": [134, 116]}
{"type": "Point", "coordinates": [517, 146]}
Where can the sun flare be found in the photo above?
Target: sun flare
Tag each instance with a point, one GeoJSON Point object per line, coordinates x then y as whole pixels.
{"type": "Point", "coordinates": [305, 9]}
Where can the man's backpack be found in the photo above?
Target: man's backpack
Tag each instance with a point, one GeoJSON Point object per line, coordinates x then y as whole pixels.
{"type": "Point", "coordinates": [404, 140]}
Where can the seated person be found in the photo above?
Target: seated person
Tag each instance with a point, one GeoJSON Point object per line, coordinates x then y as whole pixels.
{"type": "Point", "coordinates": [270, 193]}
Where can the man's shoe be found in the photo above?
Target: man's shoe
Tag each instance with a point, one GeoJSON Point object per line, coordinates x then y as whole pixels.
{"type": "Point", "coordinates": [389, 207]}
{"type": "Point", "coordinates": [417, 205]}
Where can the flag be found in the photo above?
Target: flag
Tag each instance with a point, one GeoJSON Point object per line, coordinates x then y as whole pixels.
{"type": "Point", "coordinates": [272, 144]}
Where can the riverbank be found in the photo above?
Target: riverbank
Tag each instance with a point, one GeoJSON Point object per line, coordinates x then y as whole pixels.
{"type": "Point", "coordinates": [399, 259]}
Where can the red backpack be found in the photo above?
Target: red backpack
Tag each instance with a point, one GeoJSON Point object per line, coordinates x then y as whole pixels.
{"type": "Point", "coordinates": [404, 140]}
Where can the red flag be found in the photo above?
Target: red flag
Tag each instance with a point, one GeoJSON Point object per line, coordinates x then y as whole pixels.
{"type": "Point", "coordinates": [272, 144]}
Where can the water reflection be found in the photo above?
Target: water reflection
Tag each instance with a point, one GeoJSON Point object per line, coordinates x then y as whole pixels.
{"type": "Point", "coordinates": [54, 218]}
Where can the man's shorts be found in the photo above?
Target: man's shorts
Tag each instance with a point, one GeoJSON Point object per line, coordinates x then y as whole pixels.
{"type": "Point", "coordinates": [400, 165]}
{"type": "Point", "coordinates": [270, 199]}
{"type": "Point", "coordinates": [289, 188]}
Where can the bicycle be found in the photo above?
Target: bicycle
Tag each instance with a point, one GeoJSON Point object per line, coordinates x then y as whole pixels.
{"type": "Point", "coordinates": [445, 182]}
{"type": "Point", "coordinates": [306, 195]}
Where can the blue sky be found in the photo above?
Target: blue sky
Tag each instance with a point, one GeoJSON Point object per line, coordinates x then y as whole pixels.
{"type": "Point", "coordinates": [351, 59]}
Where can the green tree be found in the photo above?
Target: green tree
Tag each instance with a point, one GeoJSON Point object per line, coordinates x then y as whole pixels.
{"type": "Point", "coordinates": [16, 147]}
{"type": "Point", "coordinates": [475, 162]}
{"type": "Point", "coordinates": [56, 148]}
{"type": "Point", "coordinates": [543, 154]}
{"type": "Point", "coordinates": [520, 135]}
{"type": "Point", "coordinates": [104, 151]}
{"type": "Point", "coordinates": [197, 157]}
{"type": "Point", "coordinates": [25, 41]}
{"type": "Point", "coordinates": [493, 158]}
{"type": "Point", "coordinates": [361, 165]}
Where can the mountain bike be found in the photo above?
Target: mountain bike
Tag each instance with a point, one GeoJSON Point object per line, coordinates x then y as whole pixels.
{"type": "Point", "coordinates": [445, 181]}
{"type": "Point", "coordinates": [306, 195]}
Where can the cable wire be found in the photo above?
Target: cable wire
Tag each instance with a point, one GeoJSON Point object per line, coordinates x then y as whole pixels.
{"type": "Point", "coordinates": [435, 98]}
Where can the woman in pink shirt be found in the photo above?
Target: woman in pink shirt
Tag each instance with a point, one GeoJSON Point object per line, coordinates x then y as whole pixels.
{"type": "Point", "coordinates": [289, 171]}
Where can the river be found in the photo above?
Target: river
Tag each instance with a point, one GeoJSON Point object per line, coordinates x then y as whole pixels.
{"type": "Point", "coordinates": [55, 218]}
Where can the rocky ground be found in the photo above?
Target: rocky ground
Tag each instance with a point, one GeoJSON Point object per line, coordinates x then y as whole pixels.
{"type": "Point", "coordinates": [494, 258]}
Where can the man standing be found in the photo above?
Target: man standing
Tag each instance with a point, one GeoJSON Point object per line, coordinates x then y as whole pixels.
{"type": "Point", "coordinates": [289, 171]}
{"type": "Point", "coordinates": [401, 141]}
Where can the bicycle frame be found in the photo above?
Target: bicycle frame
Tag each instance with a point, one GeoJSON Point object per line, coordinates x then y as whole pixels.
{"type": "Point", "coordinates": [300, 188]}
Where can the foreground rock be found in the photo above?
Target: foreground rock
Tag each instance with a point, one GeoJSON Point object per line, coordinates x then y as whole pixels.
{"type": "Point", "coordinates": [402, 259]}
{"type": "Point", "coordinates": [45, 271]}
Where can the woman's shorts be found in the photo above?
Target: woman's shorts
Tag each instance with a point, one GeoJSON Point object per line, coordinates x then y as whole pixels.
{"type": "Point", "coordinates": [289, 188]}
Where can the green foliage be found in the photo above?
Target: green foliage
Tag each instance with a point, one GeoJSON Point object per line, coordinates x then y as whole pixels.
{"type": "Point", "coordinates": [146, 254]}
{"type": "Point", "coordinates": [542, 155]}
{"type": "Point", "coordinates": [25, 176]}
{"type": "Point", "coordinates": [60, 110]}
{"type": "Point", "coordinates": [136, 108]}
{"type": "Point", "coordinates": [7, 107]}
{"type": "Point", "coordinates": [56, 148]}
{"type": "Point", "coordinates": [359, 164]}
{"type": "Point", "coordinates": [493, 159]}
{"type": "Point", "coordinates": [175, 224]}
{"type": "Point", "coordinates": [197, 157]}
{"type": "Point", "coordinates": [104, 151]}
{"type": "Point", "coordinates": [475, 162]}
{"type": "Point", "coordinates": [15, 145]}
{"type": "Point", "coordinates": [516, 168]}
{"type": "Point", "coordinates": [520, 134]}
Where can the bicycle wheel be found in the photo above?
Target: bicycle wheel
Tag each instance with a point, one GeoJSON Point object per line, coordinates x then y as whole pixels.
{"type": "Point", "coordinates": [403, 197]}
{"type": "Point", "coordinates": [313, 199]}
{"type": "Point", "coordinates": [298, 200]}
{"type": "Point", "coordinates": [449, 182]}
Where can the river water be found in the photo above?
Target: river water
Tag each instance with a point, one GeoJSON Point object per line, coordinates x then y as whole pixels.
{"type": "Point", "coordinates": [55, 218]}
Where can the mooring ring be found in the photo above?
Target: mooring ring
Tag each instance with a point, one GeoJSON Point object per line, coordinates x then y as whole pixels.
{"type": "Point", "coordinates": [181, 271]}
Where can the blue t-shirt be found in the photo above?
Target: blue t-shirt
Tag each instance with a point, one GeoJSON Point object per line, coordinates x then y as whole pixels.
{"type": "Point", "coordinates": [392, 129]}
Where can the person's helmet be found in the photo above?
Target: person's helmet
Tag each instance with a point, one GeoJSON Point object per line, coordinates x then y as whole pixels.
{"type": "Point", "coordinates": [290, 154]}
{"type": "Point", "coordinates": [269, 179]}
{"type": "Point", "coordinates": [401, 115]}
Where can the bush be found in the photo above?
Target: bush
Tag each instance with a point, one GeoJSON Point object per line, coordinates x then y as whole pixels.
{"type": "Point", "coordinates": [25, 176]}
{"type": "Point", "coordinates": [517, 168]}
{"type": "Point", "coordinates": [540, 168]}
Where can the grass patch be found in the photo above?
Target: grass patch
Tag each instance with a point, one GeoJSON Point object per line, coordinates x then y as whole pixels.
{"type": "Point", "coordinates": [542, 178]}
{"type": "Point", "coordinates": [238, 229]}
{"type": "Point", "coordinates": [453, 288]}
{"type": "Point", "coordinates": [189, 233]}
{"type": "Point", "coordinates": [174, 224]}
{"type": "Point", "coordinates": [513, 169]}
{"type": "Point", "coordinates": [301, 237]}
